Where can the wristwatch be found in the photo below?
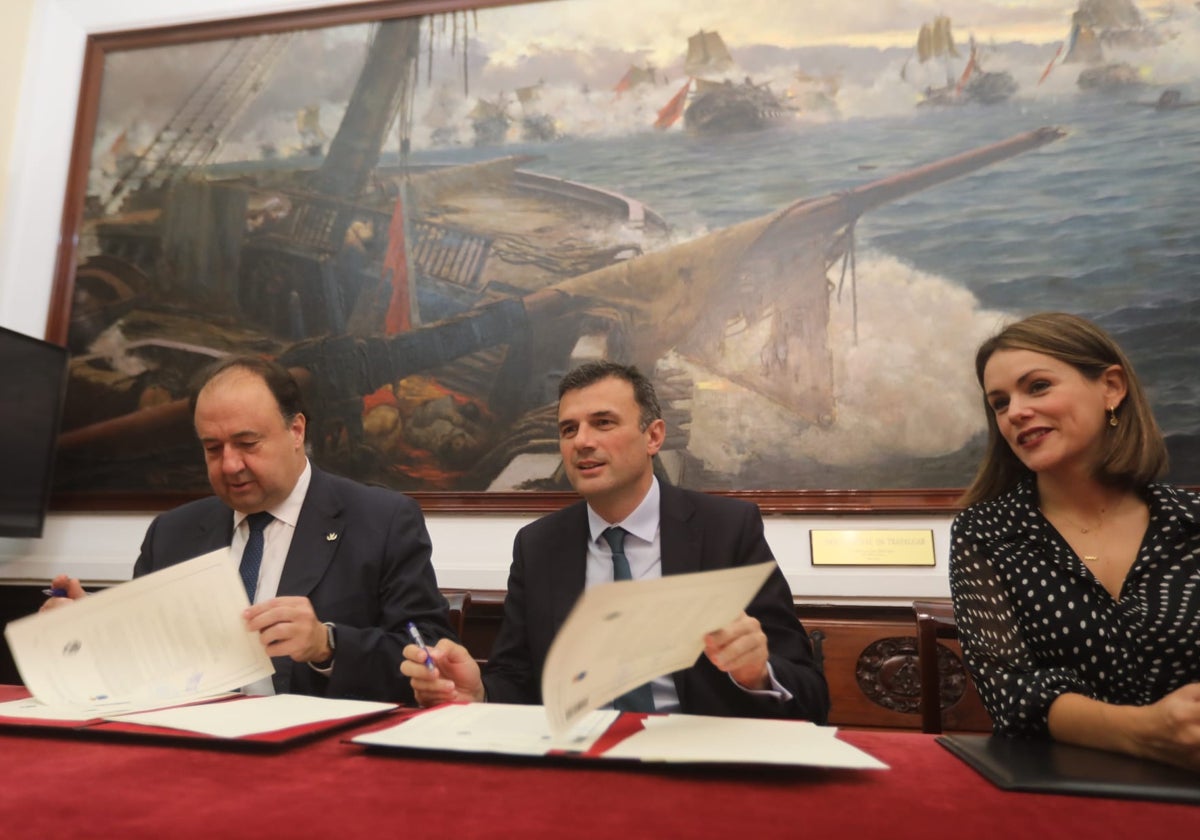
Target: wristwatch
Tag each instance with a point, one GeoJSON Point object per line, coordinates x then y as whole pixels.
{"type": "Point", "coordinates": [331, 640]}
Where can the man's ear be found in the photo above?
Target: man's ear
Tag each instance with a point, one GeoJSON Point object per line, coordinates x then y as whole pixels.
{"type": "Point", "coordinates": [297, 429]}
{"type": "Point", "coordinates": [657, 432]}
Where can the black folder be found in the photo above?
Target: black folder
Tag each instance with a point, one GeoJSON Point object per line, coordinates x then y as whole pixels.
{"type": "Point", "coordinates": [1045, 766]}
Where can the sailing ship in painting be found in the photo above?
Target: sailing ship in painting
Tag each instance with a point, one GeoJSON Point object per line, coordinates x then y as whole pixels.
{"type": "Point", "coordinates": [1100, 28]}
{"type": "Point", "coordinates": [635, 77]}
{"type": "Point", "coordinates": [429, 311]}
{"type": "Point", "coordinates": [537, 124]}
{"type": "Point", "coordinates": [718, 104]}
{"type": "Point", "coordinates": [813, 93]}
{"type": "Point", "coordinates": [490, 121]}
{"type": "Point", "coordinates": [969, 84]}
{"type": "Point", "coordinates": [493, 123]}
{"type": "Point", "coordinates": [441, 116]}
{"type": "Point", "coordinates": [308, 126]}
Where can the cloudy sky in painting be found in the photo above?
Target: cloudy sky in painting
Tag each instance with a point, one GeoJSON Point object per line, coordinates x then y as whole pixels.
{"type": "Point", "coordinates": [574, 47]}
{"type": "Point", "coordinates": [659, 26]}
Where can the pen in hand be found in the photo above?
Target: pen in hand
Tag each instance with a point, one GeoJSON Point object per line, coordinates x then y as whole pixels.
{"type": "Point", "coordinates": [55, 592]}
{"type": "Point", "coordinates": [419, 642]}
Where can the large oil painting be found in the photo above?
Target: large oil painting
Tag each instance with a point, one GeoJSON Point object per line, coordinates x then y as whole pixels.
{"type": "Point", "coordinates": [798, 218]}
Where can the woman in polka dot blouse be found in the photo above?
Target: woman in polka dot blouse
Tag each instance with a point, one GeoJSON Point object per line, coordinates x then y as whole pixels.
{"type": "Point", "coordinates": [1076, 577]}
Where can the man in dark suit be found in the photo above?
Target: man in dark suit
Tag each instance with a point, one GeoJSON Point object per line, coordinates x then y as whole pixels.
{"type": "Point", "coordinates": [343, 567]}
{"type": "Point", "coordinates": [610, 427]}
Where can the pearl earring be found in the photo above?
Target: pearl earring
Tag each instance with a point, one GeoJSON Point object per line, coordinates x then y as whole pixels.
{"type": "Point", "coordinates": [1112, 417]}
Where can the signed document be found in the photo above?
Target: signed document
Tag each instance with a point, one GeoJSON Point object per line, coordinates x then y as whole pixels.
{"type": "Point", "coordinates": [622, 634]}
{"type": "Point", "coordinates": [490, 728]}
{"type": "Point", "coordinates": [684, 739]}
{"type": "Point", "coordinates": [170, 637]}
{"type": "Point", "coordinates": [722, 740]}
{"type": "Point", "coordinates": [255, 715]}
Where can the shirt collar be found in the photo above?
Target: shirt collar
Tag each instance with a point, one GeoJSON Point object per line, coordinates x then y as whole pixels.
{"type": "Point", "coordinates": [289, 509]}
{"type": "Point", "coordinates": [642, 523]}
{"type": "Point", "coordinates": [1168, 504]}
{"type": "Point", "coordinates": [1023, 501]}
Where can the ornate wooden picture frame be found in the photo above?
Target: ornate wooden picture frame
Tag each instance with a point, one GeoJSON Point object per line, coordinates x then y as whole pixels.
{"type": "Point", "coordinates": [431, 210]}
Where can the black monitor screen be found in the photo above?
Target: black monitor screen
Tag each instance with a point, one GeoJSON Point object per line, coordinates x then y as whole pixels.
{"type": "Point", "coordinates": [33, 379]}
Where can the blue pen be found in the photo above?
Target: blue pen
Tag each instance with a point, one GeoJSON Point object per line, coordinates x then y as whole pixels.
{"type": "Point", "coordinates": [55, 592]}
{"type": "Point", "coordinates": [419, 642]}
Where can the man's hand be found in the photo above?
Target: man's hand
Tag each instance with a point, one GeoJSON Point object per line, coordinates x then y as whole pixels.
{"type": "Point", "coordinates": [454, 677]}
{"type": "Point", "coordinates": [67, 584]}
{"type": "Point", "coordinates": [740, 650]}
{"type": "Point", "coordinates": [288, 626]}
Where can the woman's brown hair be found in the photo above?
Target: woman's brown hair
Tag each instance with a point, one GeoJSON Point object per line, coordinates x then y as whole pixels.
{"type": "Point", "coordinates": [1136, 453]}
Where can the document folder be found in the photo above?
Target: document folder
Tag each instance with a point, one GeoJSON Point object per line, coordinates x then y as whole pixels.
{"type": "Point", "coordinates": [324, 716]}
{"type": "Point", "coordinates": [1046, 766]}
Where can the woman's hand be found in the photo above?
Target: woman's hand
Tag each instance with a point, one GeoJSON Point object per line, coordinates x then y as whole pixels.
{"type": "Point", "coordinates": [1170, 729]}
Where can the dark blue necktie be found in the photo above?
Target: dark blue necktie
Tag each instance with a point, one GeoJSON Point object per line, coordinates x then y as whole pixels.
{"type": "Point", "coordinates": [252, 555]}
{"type": "Point", "coordinates": [640, 699]}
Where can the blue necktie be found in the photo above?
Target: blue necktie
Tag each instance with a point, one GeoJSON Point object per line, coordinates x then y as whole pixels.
{"type": "Point", "coordinates": [252, 555]}
{"type": "Point", "coordinates": [640, 699]}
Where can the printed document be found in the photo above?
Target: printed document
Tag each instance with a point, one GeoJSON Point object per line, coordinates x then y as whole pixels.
{"type": "Point", "coordinates": [501, 728]}
{"type": "Point", "coordinates": [256, 715]}
{"type": "Point", "coordinates": [622, 634]}
{"type": "Point", "coordinates": [170, 637]}
{"type": "Point", "coordinates": [695, 739]}
{"type": "Point", "coordinates": [725, 740]}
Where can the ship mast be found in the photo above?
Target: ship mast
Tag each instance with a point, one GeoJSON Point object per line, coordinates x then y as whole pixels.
{"type": "Point", "coordinates": [385, 85]}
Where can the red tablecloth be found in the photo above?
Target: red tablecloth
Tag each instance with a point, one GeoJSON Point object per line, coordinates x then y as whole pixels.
{"type": "Point", "coordinates": [71, 786]}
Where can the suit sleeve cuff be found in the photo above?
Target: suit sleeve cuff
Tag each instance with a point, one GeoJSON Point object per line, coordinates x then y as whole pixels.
{"type": "Point", "coordinates": [776, 691]}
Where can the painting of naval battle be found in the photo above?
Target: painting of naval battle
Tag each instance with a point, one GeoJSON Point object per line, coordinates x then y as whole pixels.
{"type": "Point", "coordinates": [799, 219]}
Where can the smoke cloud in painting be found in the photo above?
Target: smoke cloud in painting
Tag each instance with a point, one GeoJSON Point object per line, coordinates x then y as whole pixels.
{"type": "Point", "coordinates": [906, 320]}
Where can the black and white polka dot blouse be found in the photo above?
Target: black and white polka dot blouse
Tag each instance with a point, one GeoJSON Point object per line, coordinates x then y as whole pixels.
{"type": "Point", "coordinates": [1035, 623]}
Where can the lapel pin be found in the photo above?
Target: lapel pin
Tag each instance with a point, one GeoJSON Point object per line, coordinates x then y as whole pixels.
{"type": "Point", "coordinates": [331, 536]}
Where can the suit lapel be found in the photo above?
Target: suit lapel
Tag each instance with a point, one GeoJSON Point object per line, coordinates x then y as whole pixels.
{"type": "Point", "coordinates": [681, 532]}
{"type": "Point", "coordinates": [215, 530]}
{"type": "Point", "coordinates": [567, 568]}
{"type": "Point", "coordinates": [318, 534]}
{"type": "Point", "coordinates": [681, 540]}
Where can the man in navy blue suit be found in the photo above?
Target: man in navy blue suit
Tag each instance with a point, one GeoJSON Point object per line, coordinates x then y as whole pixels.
{"type": "Point", "coordinates": [610, 427]}
{"type": "Point", "coordinates": [344, 566]}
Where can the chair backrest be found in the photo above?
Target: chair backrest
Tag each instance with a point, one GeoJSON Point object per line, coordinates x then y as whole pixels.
{"type": "Point", "coordinates": [459, 602]}
{"type": "Point", "coordinates": [935, 620]}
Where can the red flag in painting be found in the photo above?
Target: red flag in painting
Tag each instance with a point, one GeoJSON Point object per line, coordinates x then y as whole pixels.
{"type": "Point", "coordinates": [625, 84]}
{"type": "Point", "coordinates": [395, 265]}
{"type": "Point", "coordinates": [1050, 66]}
{"type": "Point", "coordinates": [673, 110]}
{"type": "Point", "coordinates": [966, 74]}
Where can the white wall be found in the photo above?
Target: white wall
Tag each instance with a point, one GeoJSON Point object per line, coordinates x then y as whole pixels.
{"type": "Point", "coordinates": [469, 551]}
{"type": "Point", "coordinates": [14, 31]}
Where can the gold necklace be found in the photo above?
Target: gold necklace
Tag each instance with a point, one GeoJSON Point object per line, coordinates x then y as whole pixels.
{"type": "Point", "coordinates": [1100, 517]}
{"type": "Point", "coordinates": [1084, 529]}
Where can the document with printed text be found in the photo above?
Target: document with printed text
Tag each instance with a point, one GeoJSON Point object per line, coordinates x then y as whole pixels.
{"type": "Point", "coordinates": [170, 637]}
{"type": "Point", "coordinates": [683, 739]}
{"type": "Point", "coordinates": [620, 635]}
{"type": "Point", "coordinates": [255, 715]}
{"type": "Point", "coordinates": [490, 728]}
{"type": "Point", "coordinates": [675, 739]}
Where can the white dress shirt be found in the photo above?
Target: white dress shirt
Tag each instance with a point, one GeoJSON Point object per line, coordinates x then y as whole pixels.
{"type": "Point", "coordinates": [643, 549]}
{"type": "Point", "coordinates": [277, 540]}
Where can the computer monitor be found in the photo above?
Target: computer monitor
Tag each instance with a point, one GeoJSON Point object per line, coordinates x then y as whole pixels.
{"type": "Point", "coordinates": [33, 383]}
